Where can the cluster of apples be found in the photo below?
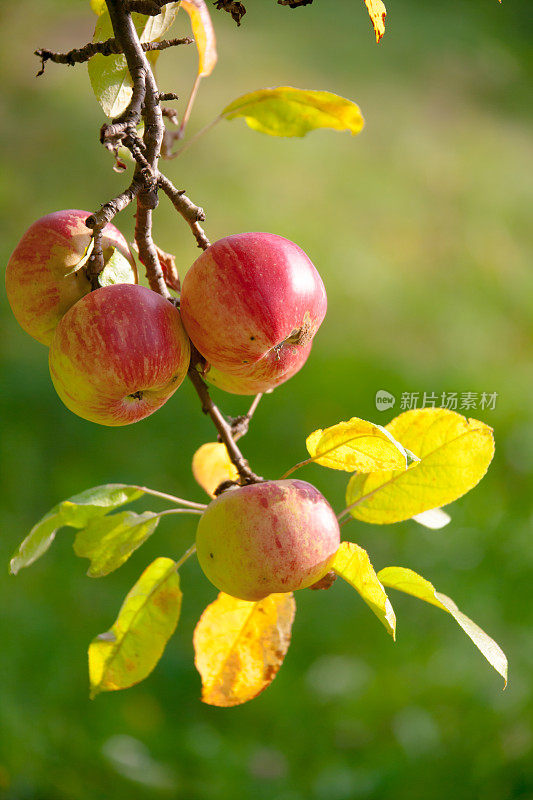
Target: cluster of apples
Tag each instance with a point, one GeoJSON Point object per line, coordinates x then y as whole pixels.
{"type": "Point", "coordinates": [251, 304]}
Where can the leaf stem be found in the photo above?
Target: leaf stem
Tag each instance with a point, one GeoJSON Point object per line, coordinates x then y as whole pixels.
{"type": "Point", "coordinates": [179, 511]}
{"type": "Point", "coordinates": [190, 104]}
{"type": "Point", "coordinates": [187, 554]}
{"type": "Point", "coordinates": [178, 500]}
{"type": "Point", "coordinates": [296, 466]}
{"type": "Point", "coordinates": [194, 138]}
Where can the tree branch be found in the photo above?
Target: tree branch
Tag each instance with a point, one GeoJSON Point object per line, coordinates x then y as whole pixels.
{"type": "Point", "coordinates": [150, 7]}
{"type": "Point", "coordinates": [239, 425]}
{"type": "Point", "coordinates": [246, 475]}
{"type": "Point", "coordinates": [146, 181]}
{"type": "Point", "coordinates": [99, 220]}
{"type": "Point", "coordinates": [190, 213]}
{"type": "Point", "coordinates": [79, 55]}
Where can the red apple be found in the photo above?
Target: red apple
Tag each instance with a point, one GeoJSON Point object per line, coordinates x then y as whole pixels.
{"type": "Point", "coordinates": [251, 303]}
{"type": "Point", "coordinates": [118, 354]}
{"type": "Point", "coordinates": [274, 536]}
{"type": "Point", "coordinates": [39, 287]}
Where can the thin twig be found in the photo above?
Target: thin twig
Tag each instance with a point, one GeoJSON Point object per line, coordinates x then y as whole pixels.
{"type": "Point", "coordinates": [246, 475]}
{"type": "Point", "coordinates": [189, 211]}
{"type": "Point", "coordinates": [98, 221]}
{"type": "Point", "coordinates": [239, 425]}
{"type": "Point", "coordinates": [109, 47]}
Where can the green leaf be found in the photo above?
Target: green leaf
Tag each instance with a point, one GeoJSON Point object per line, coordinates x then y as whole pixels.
{"type": "Point", "coordinates": [352, 563]}
{"type": "Point", "coordinates": [405, 580]}
{"type": "Point", "coordinates": [454, 455]}
{"type": "Point", "coordinates": [130, 650]}
{"type": "Point", "coordinates": [77, 512]}
{"type": "Point", "coordinates": [117, 269]}
{"type": "Point", "coordinates": [286, 111]}
{"type": "Point", "coordinates": [109, 75]}
{"type": "Point", "coordinates": [109, 541]}
{"type": "Point", "coordinates": [356, 445]}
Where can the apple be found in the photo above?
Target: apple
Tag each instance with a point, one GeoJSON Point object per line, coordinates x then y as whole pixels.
{"type": "Point", "coordinates": [118, 354]}
{"type": "Point", "coordinates": [40, 283]}
{"type": "Point", "coordinates": [251, 304]}
{"type": "Point", "coordinates": [273, 536]}
{"type": "Point", "coordinates": [258, 377]}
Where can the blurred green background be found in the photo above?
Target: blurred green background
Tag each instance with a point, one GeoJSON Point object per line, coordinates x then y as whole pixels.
{"type": "Point", "coordinates": [421, 229]}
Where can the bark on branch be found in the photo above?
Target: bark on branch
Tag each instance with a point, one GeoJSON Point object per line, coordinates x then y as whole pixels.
{"type": "Point", "coordinates": [79, 55]}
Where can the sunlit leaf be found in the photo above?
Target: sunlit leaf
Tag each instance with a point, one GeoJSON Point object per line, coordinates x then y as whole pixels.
{"type": "Point", "coordinates": [129, 651]}
{"type": "Point", "coordinates": [98, 6]}
{"type": "Point", "coordinates": [109, 75]}
{"type": "Point", "coordinates": [117, 269]}
{"type": "Point", "coordinates": [405, 580]}
{"type": "Point", "coordinates": [109, 541]}
{"type": "Point", "coordinates": [454, 455]}
{"type": "Point", "coordinates": [211, 465]}
{"type": "Point", "coordinates": [435, 518]}
{"type": "Point", "coordinates": [240, 645]}
{"type": "Point", "coordinates": [77, 511]}
{"type": "Point", "coordinates": [204, 35]}
{"type": "Point", "coordinates": [377, 12]}
{"type": "Point", "coordinates": [286, 111]}
{"type": "Point", "coordinates": [353, 564]}
{"type": "Point", "coordinates": [355, 445]}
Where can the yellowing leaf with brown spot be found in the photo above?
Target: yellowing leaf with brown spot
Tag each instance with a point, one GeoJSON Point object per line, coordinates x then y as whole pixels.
{"type": "Point", "coordinates": [287, 111]}
{"type": "Point", "coordinates": [352, 563]}
{"type": "Point", "coordinates": [377, 12]}
{"type": "Point", "coordinates": [211, 465]}
{"type": "Point", "coordinates": [405, 580]}
{"type": "Point", "coordinates": [454, 455]}
{"type": "Point", "coordinates": [240, 645]}
{"type": "Point", "coordinates": [129, 651]}
{"type": "Point", "coordinates": [356, 445]}
{"type": "Point", "coordinates": [204, 35]}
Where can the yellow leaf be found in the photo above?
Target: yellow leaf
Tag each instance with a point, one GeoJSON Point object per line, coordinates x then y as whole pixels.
{"type": "Point", "coordinates": [355, 445]}
{"type": "Point", "coordinates": [377, 12]}
{"type": "Point", "coordinates": [98, 6]}
{"type": "Point", "coordinates": [353, 564]}
{"type": "Point", "coordinates": [240, 645]}
{"type": "Point", "coordinates": [286, 111]}
{"type": "Point", "coordinates": [211, 465]}
{"type": "Point", "coordinates": [204, 35]}
{"type": "Point", "coordinates": [405, 580]}
{"type": "Point", "coordinates": [454, 455]}
{"type": "Point", "coordinates": [128, 652]}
